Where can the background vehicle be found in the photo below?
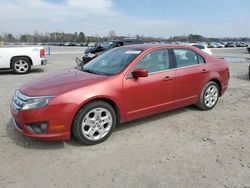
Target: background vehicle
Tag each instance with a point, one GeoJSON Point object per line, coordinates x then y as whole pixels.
{"type": "Point", "coordinates": [215, 45]}
{"type": "Point", "coordinates": [92, 52]}
{"type": "Point", "coordinates": [202, 47]}
{"type": "Point", "coordinates": [248, 49]}
{"type": "Point", "coordinates": [230, 45]}
{"type": "Point", "coordinates": [21, 59]}
{"type": "Point", "coordinates": [241, 44]}
{"type": "Point", "coordinates": [249, 71]}
{"type": "Point", "coordinates": [212, 45]}
{"type": "Point", "coordinates": [121, 85]}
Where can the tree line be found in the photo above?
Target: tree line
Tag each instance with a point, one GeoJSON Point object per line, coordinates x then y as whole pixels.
{"type": "Point", "coordinates": [80, 37]}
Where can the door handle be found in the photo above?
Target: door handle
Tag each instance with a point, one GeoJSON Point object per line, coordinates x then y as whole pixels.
{"type": "Point", "coordinates": [167, 78]}
{"type": "Point", "coordinates": [204, 71]}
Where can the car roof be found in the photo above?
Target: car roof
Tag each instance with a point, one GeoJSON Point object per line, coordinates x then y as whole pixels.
{"type": "Point", "coordinates": [153, 46]}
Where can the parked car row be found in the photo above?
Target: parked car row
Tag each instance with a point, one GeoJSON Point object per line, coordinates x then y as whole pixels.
{"type": "Point", "coordinates": [226, 44]}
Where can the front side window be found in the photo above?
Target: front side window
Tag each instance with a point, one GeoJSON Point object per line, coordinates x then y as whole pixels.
{"type": "Point", "coordinates": [155, 61]}
{"type": "Point", "coordinates": [186, 58]}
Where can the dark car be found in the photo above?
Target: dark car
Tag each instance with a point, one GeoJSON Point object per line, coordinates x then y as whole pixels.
{"type": "Point", "coordinates": [92, 52]}
{"type": "Point", "coordinates": [248, 49]}
{"type": "Point", "coordinates": [249, 71]}
{"type": "Point", "coordinates": [230, 45]}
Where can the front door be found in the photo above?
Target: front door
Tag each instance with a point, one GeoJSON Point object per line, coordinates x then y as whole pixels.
{"type": "Point", "coordinates": [154, 93]}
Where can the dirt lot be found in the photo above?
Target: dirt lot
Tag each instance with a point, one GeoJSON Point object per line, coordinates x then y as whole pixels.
{"type": "Point", "coordinates": [182, 148]}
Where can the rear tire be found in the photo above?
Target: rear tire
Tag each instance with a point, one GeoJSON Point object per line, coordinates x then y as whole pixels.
{"type": "Point", "coordinates": [21, 65]}
{"type": "Point", "coordinates": [209, 96]}
{"type": "Point", "coordinates": [94, 123]}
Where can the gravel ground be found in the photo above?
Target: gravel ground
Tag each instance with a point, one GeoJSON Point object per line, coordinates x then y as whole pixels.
{"type": "Point", "coordinates": [182, 148]}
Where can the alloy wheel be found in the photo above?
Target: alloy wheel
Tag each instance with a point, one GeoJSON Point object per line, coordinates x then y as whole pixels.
{"type": "Point", "coordinates": [21, 66]}
{"type": "Point", "coordinates": [211, 96]}
{"type": "Point", "coordinates": [96, 124]}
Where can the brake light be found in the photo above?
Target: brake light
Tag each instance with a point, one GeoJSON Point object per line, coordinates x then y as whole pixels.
{"type": "Point", "coordinates": [42, 53]}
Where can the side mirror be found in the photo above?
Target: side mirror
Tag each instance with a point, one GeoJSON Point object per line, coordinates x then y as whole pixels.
{"type": "Point", "coordinates": [140, 73]}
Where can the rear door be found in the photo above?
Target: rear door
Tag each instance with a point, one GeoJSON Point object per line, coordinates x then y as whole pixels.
{"type": "Point", "coordinates": [190, 75]}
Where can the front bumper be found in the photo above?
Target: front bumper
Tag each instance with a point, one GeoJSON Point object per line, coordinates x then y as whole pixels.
{"type": "Point", "coordinates": [58, 128]}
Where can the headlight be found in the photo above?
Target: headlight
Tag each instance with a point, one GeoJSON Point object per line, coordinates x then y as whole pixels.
{"type": "Point", "coordinates": [90, 55]}
{"type": "Point", "coordinates": [33, 103]}
{"type": "Point", "coordinates": [21, 101]}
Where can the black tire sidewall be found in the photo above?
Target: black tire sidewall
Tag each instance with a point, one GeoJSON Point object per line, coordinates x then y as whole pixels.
{"type": "Point", "coordinates": [17, 59]}
{"type": "Point", "coordinates": [77, 127]}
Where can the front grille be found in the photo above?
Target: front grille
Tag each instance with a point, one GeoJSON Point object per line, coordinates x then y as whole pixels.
{"type": "Point", "coordinates": [19, 100]}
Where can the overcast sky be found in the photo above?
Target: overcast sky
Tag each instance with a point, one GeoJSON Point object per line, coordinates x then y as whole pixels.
{"type": "Point", "coordinates": [158, 18]}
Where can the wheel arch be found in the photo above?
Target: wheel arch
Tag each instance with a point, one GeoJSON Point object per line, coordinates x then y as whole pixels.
{"type": "Point", "coordinates": [21, 56]}
{"type": "Point", "coordinates": [217, 81]}
{"type": "Point", "coordinates": [105, 99]}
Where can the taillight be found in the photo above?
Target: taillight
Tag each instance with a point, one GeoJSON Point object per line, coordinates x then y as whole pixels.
{"type": "Point", "coordinates": [42, 53]}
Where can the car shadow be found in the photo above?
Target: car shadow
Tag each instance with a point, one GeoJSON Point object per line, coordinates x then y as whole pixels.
{"type": "Point", "coordinates": [10, 72]}
{"type": "Point", "coordinates": [152, 118]}
{"type": "Point", "coordinates": [243, 77]}
{"type": "Point", "coordinates": [30, 143]}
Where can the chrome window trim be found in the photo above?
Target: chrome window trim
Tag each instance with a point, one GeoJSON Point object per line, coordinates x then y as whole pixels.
{"type": "Point", "coordinates": [173, 69]}
{"type": "Point", "coordinates": [176, 68]}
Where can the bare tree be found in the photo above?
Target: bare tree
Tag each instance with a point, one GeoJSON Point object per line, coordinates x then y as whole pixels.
{"type": "Point", "coordinates": [112, 35]}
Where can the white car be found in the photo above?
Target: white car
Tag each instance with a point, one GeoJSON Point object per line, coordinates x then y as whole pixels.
{"type": "Point", "coordinates": [202, 47]}
{"type": "Point", "coordinates": [21, 59]}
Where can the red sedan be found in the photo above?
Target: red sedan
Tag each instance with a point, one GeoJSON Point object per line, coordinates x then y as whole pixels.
{"type": "Point", "coordinates": [121, 85]}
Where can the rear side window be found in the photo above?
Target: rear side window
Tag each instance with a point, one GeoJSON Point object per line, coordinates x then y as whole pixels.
{"type": "Point", "coordinates": [186, 58]}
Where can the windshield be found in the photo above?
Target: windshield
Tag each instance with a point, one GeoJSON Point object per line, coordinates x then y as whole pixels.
{"type": "Point", "coordinates": [111, 62]}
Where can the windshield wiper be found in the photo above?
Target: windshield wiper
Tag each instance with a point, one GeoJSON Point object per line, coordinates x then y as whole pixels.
{"type": "Point", "coordinates": [89, 71]}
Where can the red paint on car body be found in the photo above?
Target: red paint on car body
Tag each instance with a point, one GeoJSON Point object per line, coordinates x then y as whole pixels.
{"type": "Point", "coordinates": [132, 97]}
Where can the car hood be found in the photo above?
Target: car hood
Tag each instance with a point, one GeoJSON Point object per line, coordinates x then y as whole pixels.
{"type": "Point", "coordinates": [60, 82]}
{"type": "Point", "coordinates": [91, 50]}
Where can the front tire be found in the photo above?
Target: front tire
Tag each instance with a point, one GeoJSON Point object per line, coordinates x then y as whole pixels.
{"type": "Point", "coordinates": [209, 96]}
{"type": "Point", "coordinates": [94, 123]}
{"type": "Point", "coordinates": [21, 65]}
